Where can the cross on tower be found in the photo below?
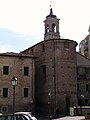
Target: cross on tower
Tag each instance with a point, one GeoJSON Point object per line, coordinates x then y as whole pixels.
{"type": "Point", "coordinates": [50, 4]}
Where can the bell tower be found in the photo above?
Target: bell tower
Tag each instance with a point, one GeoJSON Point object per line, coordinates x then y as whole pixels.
{"type": "Point", "coordinates": [51, 26]}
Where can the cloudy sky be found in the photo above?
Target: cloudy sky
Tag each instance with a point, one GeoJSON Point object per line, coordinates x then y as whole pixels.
{"type": "Point", "coordinates": [21, 21]}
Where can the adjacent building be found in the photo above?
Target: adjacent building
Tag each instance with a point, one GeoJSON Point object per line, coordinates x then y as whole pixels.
{"type": "Point", "coordinates": [22, 66]}
{"type": "Point", "coordinates": [83, 71]}
{"type": "Point", "coordinates": [83, 80]}
{"type": "Point", "coordinates": [84, 46]}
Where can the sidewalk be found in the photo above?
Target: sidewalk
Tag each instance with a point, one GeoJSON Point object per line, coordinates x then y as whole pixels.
{"type": "Point", "coordinates": [71, 118]}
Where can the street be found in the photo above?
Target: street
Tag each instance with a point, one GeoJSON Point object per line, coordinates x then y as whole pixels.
{"type": "Point", "coordinates": [65, 118]}
{"type": "Point", "coordinates": [71, 118]}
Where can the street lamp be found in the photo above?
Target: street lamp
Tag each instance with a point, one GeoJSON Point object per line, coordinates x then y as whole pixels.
{"type": "Point", "coordinates": [14, 83]}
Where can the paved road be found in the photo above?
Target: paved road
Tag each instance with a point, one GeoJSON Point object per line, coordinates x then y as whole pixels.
{"type": "Point", "coordinates": [65, 118]}
{"type": "Point", "coordinates": [71, 118]}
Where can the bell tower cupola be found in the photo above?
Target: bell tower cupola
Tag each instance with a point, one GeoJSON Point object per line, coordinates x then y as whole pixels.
{"type": "Point", "coordinates": [51, 26]}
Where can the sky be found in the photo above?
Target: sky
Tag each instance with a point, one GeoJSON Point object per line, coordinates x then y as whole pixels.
{"type": "Point", "coordinates": [21, 21]}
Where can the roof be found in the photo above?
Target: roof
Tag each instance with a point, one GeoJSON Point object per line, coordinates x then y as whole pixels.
{"type": "Point", "coordinates": [51, 14]}
{"type": "Point", "coordinates": [82, 60]}
{"type": "Point", "coordinates": [12, 54]}
{"type": "Point", "coordinates": [44, 41]}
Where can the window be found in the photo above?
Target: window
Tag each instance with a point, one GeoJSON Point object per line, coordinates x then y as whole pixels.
{"type": "Point", "coordinates": [88, 88]}
{"type": "Point", "coordinates": [26, 71]}
{"type": "Point", "coordinates": [5, 70]}
{"type": "Point", "coordinates": [81, 73]}
{"type": "Point", "coordinates": [5, 92]}
{"type": "Point", "coordinates": [53, 28]}
{"type": "Point", "coordinates": [4, 109]}
{"type": "Point", "coordinates": [25, 92]}
{"type": "Point", "coordinates": [86, 70]}
{"type": "Point", "coordinates": [47, 28]}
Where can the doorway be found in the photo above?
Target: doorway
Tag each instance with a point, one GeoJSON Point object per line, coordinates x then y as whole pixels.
{"type": "Point", "coordinates": [67, 105]}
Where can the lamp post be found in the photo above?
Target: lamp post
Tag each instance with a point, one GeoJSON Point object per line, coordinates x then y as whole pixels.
{"type": "Point", "coordinates": [49, 103]}
{"type": "Point", "coordinates": [14, 83]}
{"type": "Point", "coordinates": [83, 99]}
{"type": "Point", "coordinates": [83, 102]}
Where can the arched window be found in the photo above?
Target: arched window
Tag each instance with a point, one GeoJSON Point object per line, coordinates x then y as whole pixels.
{"type": "Point", "coordinates": [47, 28]}
{"type": "Point", "coordinates": [53, 28]}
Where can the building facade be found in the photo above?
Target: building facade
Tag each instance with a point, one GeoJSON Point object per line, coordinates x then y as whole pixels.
{"type": "Point", "coordinates": [22, 66]}
{"type": "Point", "coordinates": [83, 80]}
{"type": "Point", "coordinates": [83, 71]}
{"type": "Point", "coordinates": [56, 75]}
{"type": "Point", "coordinates": [84, 46]}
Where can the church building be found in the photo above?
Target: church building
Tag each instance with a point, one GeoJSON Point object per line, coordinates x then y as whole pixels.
{"type": "Point", "coordinates": [55, 70]}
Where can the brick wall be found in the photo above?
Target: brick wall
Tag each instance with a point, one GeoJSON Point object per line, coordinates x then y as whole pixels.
{"type": "Point", "coordinates": [59, 57]}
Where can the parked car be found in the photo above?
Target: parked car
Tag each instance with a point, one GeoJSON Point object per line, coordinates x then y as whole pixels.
{"type": "Point", "coordinates": [16, 117]}
{"type": "Point", "coordinates": [29, 114]}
